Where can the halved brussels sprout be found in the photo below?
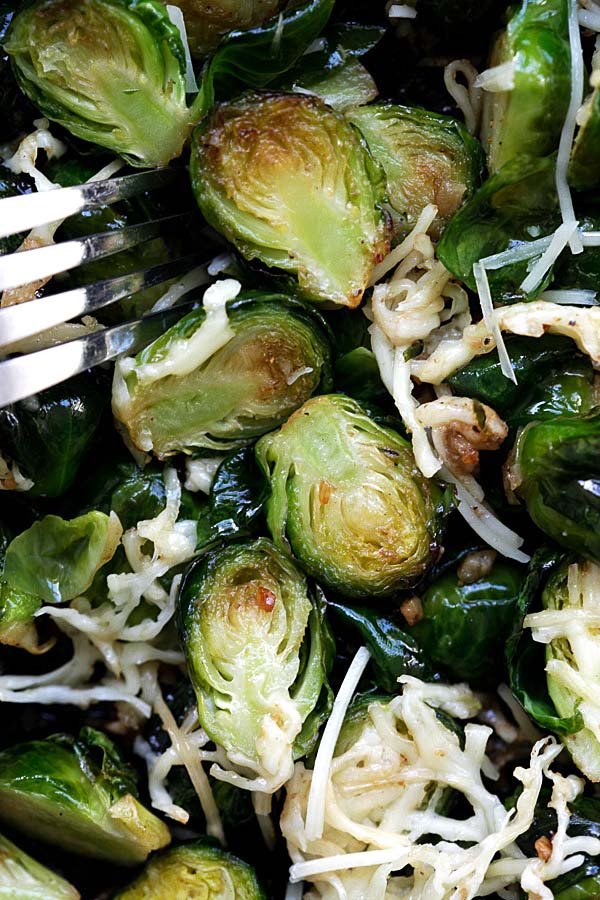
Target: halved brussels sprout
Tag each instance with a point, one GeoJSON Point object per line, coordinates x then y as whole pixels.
{"type": "Point", "coordinates": [112, 72]}
{"type": "Point", "coordinates": [224, 374]}
{"type": "Point", "coordinates": [348, 498]}
{"type": "Point", "coordinates": [464, 626]}
{"type": "Point", "coordinates": [427, 158]}
{"type": "Point", "coordinates": [56, 559]}
{"type": "Point", "coordinates": [206, 21]}
{"type": "Point", "coordinates": [258, 655]}
{"type": "Point", "coordinates": [571, 675]}
{"type": "Point", "coordinates": [79, 794]}
{"type": "Point", "coordinates": [555, 469]}
{"type": "Point", "coordinates": [527, 116]}
{"type": "Point", "coordinates": [288, 181]}
{"type": "Point", "coordinates": [22, 878]}
{"type": "Point", "coordinates": [194, 870]}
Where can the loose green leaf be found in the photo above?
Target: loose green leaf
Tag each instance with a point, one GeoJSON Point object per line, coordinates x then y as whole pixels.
{"type": "Point", "coordinates": [464, 627]}
{"type": "Point", "coordinates": [57, 559]}
{"type": "Point", "coordinates": [48, 435]}
{"type": "Point", "coordinates": [555, 470]}
{"type": "Point", "coordinates": [514, 206]}
{"type": "Point", "coordinates": [256, 57]}
{"type": "Point", "coordinates": [394, 652]}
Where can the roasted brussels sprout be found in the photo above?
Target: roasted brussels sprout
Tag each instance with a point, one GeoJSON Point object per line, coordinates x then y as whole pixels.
{"type": "Point", "coordinates": [224, 374]}
{"type": "Point", "coordinates": [112, 72]}
{"type": "Point", "coordinates": [22, 878]}
{"type": "Point", "coordinates": [194, 870]}
{"type": "Point", "coordinates": [526, 111]}
{"type": "Point", "coordinates": [258, 653]}
{"type": "Point", "coordinates": [56, 560]}
{"type": "Point", "coordinates": [513, 206]}
{"type": "Point", "coordinates": [427, 158]}
{"type": "Point", "coordinates": [571, 598]}
{"type": "Point", "coordinates": [207, 21]}
{"type": "Point", "coordinates": [79, 794]}
{"type": "Point", "coordinates": [48, 435]}
{"type": "Point", "coordinates": [289, 182]}
{"type": "Point", "coordinates": [464, 625]}
{"type": "Point", "coordinates": [554, 469]}
{"type": "Point", "coordinates": [394, 652]}
{"type": "Point", "coordinates": [348, 499]}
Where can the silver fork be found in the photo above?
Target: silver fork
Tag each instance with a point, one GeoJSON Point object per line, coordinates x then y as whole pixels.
{"type": "Point", "coordinates": [23, 375]}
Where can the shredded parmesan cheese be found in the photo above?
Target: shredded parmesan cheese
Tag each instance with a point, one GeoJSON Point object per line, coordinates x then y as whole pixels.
{"type": "Point", "coordinates": [468, 99]}
{"type": "Point", "coordinates": [385, 796]}
{"type": "Point", "coordinates": [315, 811]}
{"type": "Point", "coordinates": [176, 16]}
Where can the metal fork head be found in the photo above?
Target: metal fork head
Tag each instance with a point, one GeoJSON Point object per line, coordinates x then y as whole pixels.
{"type": "Point", "coordinates": [24, 375]}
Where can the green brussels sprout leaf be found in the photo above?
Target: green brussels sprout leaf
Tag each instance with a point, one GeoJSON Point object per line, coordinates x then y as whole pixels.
{"type": "Point", "coordinates": [527, 117]}
{"type": "Point", "coordinates": [48, 435]}
{"type": "Point", "coordinates": [515, 205]}
{"type": "Point", "coordinates": [333, 71]}
{"type": "Point", "coordinates": [56, 560]}
{"type": "Point", "coordinates": [394, 652]}
{"type": "Point", "coordinates": [538, 365]}
{"type": "Point", "coordinates": [525, 657]}
{"type": "Point", "coordinates": [257, 56]}
{"type": "Point", "coordinates": [554, 468]}
{"type": "Point", "coordinates": [208, 21]}
{"type": "Point", "coordinates": [78, 794]}
{"type": "Point", "coordinates": [464, 627]}
{"type": "Point", "coordinates": [349, 500]}
{"type": "Point", "coordinates": [288, 181]}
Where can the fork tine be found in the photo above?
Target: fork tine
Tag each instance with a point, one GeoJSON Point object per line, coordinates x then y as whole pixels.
{"type": "Point", "coordinates": [26, 319]}
{"type": "Point", "coordinates": [25, 375]}
{"type": "Point", "coordinates": [22, 213]}
{"type": "Point", "coordinates": [27, 266]}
